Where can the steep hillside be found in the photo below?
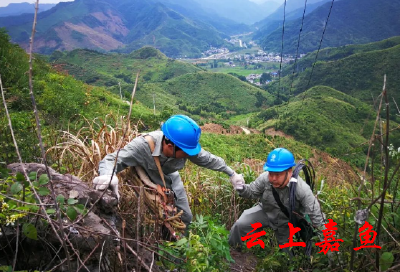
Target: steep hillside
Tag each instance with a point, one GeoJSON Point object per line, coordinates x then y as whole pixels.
{"type": "Point", "coordinates": [61, 101]}
{"type": "Point", "coordinates": [193, 9]}
{"type": "Point", "coordinates": [294, 10]}
{"type": "Point", "coordinates": [108, 69]}
{"type": "Point", "coordinates": [350, 22]}
{"type": "Point", "coordinates": [215, 92]}
{"type": "Point", "coordinates": [166, 82]}
{"type": "Point", "coordinates": [325, 118]}
{"type": "Point", "coordinates": [336, 53]}
{"type": "Point", "coordinates": [242, 11]}
{"type": "Point", "coordinates": [359, 74]}
{"type": "Point", "coordinates": [109, 25]}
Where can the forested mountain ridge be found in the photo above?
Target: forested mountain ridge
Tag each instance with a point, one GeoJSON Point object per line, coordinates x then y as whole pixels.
{"type": "Point", "coordinates": [193, 10]}
{"type": "Point", "coordinates": [350, 22]}
{"type": "Point", "coordinates": [110, 25]}
{"type": "Point", "coordinates": [242, 11]}
{"type": "Point", "coordinates": [325, 118]}
{"type": "Point", "coordinates": [357, 70]}
{"type": "Point", "coordinates": [293, 10]}
{"type": "Point", "coordinates": [336, 53]}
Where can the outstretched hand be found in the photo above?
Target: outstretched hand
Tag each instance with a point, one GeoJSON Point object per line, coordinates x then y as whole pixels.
{"type": "Point", "coordinates": [103, 182]}
{"type": "Point", "coordinates": [237, 181]}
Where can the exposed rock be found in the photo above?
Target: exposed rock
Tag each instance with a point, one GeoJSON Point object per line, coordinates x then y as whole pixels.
{"type": "Point", "coordinates": [97, 229]}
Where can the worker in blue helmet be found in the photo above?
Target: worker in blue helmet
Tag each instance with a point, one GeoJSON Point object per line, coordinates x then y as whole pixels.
{"type": "Point", "coordinates": [177, 142]}
{"type": "Point", "coordinates": [279, 169]}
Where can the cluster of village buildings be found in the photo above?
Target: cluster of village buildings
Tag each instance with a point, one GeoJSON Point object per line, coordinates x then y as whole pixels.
{"type": "Point", "coordinates": [247, 59]}
{"type": "Point", "coordinates": [260, 56]}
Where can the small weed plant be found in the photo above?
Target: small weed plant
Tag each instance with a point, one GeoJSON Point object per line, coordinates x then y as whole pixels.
{"type": "Point", "coordinates": [205, 249]}
{"type": "Point", "coordinates": [19, 206]}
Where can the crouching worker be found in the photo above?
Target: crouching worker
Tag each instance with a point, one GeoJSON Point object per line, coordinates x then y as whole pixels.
{"type": "Point", "coordinates": [276, 202]}
{"type": "Point", "coordinates": [177, 141]}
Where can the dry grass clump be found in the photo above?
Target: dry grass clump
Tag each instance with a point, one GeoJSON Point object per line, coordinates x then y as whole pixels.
{"type": "Point", "coordinates": [80, 154]}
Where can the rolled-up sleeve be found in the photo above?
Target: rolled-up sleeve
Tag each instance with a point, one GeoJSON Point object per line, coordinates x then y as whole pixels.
{"type": "Point", "coordinates": [210, 161]}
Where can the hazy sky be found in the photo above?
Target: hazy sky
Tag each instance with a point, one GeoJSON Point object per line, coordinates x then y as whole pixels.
{"type": "Point", "coordinates": [4, 3]}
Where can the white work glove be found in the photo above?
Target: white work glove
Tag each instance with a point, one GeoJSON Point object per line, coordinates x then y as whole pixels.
{"type": "Point", "coordinates": [237, 181]}
{"type": "Point", "coordinates": [102, 182]}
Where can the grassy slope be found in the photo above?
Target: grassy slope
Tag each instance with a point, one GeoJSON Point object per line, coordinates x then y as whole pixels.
{"type": "Point", "coordinates": [336, 53]}
{"type": "Point", "coordinates": [326, 118]}
{"type": "Point", "coordinates": [219, 92]}
{"type": "Point", "coordinates": [173, 83]}
{"type": "Point", "coordinates": [60, 99]}
{"type": "Point", "coordinates": [152, 64]}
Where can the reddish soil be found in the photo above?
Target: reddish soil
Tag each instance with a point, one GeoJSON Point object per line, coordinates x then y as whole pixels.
{"type": "Point", "coordinates": [218, 129]}
{"type": "Point", "coordinates": [334, 171]}
{"type": "Point", "coordinates": [273, 132]}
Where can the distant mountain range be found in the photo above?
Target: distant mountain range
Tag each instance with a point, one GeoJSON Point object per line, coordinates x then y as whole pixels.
{"type": "Point", "coordinates": [350, 22]}
{"type": "Point", "coordinates": [186, 28]}
{"type": "Point", "coordinates": [21, 8]}
{"type": "Point", "coordinates": [293, 10]}
{"type": "Point", "coordinates": [125, 25]}
{"type": "Point", "coordinates": [242, 11]}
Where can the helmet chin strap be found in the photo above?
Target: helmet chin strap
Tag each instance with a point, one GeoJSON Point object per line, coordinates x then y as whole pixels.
{"type": "Point", "coordinates": [284, 180]}
{"type": "Point", "coordinates": [174, 152]}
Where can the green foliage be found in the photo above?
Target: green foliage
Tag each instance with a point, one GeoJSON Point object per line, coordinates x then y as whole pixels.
{"type": "Point", "coordinates": [11, 210]}
{"type": "Point", "coordinates": [205, 249]}
{"type": "Point", "coordinates": [341, 52]}
{"type": "Point", "coordinates": [241, 77]}
{"type": "Point", "coordinates": [166, 82]}
{"type": "Point", "coordinates": [94, 68]}
{"type": "Point", "coordinates": [18, 203]}
{"type": "Point", "coordinates": [60, 99]}
{"type": "Point", "coordinates": [10, 269]}
{"type": "Point", "coordinates": [325, 118]}
{"type": "Point", "coordinates": [386, 260]}
{"type": "Point", "coordinates": [147, 52]}
{"type": "Point", "coordinates": [265, 77]}
{"type": "Point", "coordinates": [197, 91]}
{"type": "Point", "coordinates": [354, 70]}
{"type": "Point", "coordinates": [275, 261]}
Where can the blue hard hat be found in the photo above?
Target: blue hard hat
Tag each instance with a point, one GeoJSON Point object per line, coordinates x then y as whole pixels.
{"type": "Point", "coordinates": [184, 133]}
{"type": "Point", "coordinates": [279, 160]}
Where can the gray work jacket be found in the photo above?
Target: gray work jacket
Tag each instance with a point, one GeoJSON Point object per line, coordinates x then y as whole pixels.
{"type": "Point", "coordinates": [306, 203]}
{"type": "Point", "coordinates": [138, 153]}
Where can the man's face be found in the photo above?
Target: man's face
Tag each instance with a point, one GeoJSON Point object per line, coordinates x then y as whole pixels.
{"type": "Point", "coordinates": [168, 150]}
{"type": "Point", "coordinates": [279, 179]}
